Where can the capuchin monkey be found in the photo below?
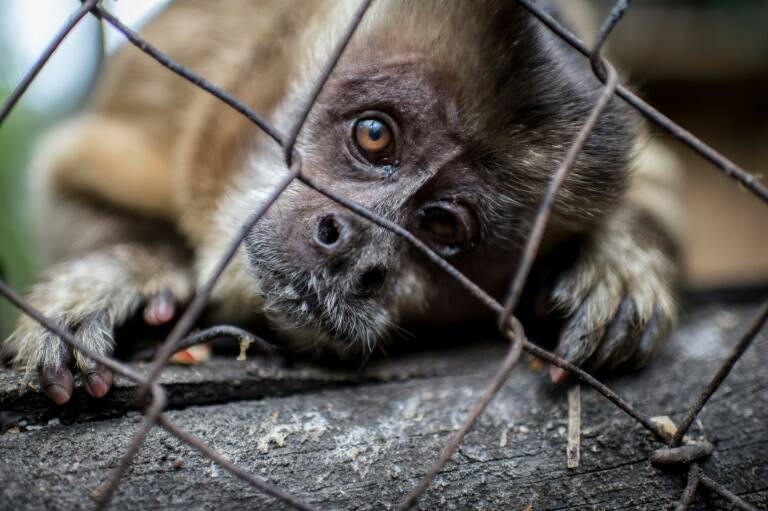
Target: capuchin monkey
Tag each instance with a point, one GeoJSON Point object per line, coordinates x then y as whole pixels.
{"type": "Point", "coordinates": [446, 117]}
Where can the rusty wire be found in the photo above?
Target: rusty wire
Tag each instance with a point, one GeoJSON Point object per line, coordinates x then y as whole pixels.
{"type": "Point", "coordinates": [694, 478]}
{"type": "Point", "coordinates": [508, 324]}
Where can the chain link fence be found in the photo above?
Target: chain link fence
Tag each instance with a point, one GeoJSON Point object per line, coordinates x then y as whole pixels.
{"type": "Point", "coordinates": [671, 449]}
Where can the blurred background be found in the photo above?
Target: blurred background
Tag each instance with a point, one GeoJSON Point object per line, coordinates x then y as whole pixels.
{"type": "Point", "coordinates": [704, 63]}
{"type": "Point", "coordinates": [26, 27]}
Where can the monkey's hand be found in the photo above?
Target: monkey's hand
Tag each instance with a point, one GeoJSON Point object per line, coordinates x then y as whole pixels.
{"type": "Point", "coordinates": [618, 298]}
{"type": "Point", "coordinates": [90, 297]}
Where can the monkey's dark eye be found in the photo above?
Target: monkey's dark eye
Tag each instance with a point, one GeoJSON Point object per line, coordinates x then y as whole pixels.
{"type": "Point", "coordinates": [448, 227]}
{"type": "Point", "coordinates": [374, 138]}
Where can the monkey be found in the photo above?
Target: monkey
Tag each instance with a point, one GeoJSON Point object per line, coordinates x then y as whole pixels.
{"type": "Point", "coordinates": [448, 118]}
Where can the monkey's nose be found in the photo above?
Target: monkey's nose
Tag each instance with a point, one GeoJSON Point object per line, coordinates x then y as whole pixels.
{"type": "Point", "coordinates": [372, 280]}
{"type": "Point", "coordinates": [331, 232]}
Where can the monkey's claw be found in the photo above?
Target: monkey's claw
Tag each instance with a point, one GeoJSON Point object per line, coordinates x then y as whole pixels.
{"type": "Point", "coordinates": [160, 308]}
{"type": "Point", "coordinates": [57, 381]}
{"type": "Point", "coordinates": [42, 352]}
{"type": "Point", "coordinates": [90, 298]}
{"type": "Point", "coordinates": [618, 311]}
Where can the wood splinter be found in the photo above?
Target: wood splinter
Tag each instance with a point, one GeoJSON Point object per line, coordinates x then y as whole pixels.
{"type": "Point", "coordinates": [574, 427]}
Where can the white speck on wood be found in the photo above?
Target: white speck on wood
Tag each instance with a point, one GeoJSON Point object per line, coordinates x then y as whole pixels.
{"type": "Point", "coordinates": [666, 424]}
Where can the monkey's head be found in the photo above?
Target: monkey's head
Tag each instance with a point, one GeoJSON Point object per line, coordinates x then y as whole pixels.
{"type": "Point", "coordinates": [448, 118]}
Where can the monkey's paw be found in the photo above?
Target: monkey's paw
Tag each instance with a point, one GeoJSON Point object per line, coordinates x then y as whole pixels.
{"type": "Point", "coordinates": [618, 304]}
{"type": "Point", "coordinates": [89, 297]}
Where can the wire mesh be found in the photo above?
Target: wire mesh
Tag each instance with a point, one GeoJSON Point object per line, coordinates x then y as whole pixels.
{"type": "Point", "coordinates": [509, 325]}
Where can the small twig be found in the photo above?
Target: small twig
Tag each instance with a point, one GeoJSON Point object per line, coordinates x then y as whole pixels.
{"type": "Point", "coordinates": [574, 426]}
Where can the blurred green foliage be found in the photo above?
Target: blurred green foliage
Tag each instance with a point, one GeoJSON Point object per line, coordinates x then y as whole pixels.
{"type": "Point", "coordinates": [17, 257]}
{"type": "Point", "coordinates": [18, 133]}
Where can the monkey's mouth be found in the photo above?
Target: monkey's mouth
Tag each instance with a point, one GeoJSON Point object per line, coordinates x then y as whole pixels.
{"type": "Point", "coordinates": [315, 310]}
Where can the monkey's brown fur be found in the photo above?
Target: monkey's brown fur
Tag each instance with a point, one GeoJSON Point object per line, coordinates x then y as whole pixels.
{"type": "Point", "coordinates": [139, 196]}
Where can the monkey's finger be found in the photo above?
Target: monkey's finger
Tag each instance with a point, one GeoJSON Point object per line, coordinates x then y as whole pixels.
{"type": "Point", "coordinates": [578, 341]}
{"type": "Point", "coordinates": [586, 327]}
{"type": "Point", "coordinates": [651, 338]}
{"type": "Point", "coordinates": [57, 382]}
{"type": "Point", "coordinates": [53, 371]}
{"type": "Point", "coordinates": [98, 381]}
{"type": "Point", "coordinates": [160, 309]}
{"type": "Point", "coordinates": [96, 334]}
{"type": "Point", "coordinates": [621, 338]}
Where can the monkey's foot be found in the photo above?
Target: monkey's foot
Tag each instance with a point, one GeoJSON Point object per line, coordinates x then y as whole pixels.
{"type": "Point", "coordinates": [90, 297]}
{"type": "Point", "coordinates": [618, 305]}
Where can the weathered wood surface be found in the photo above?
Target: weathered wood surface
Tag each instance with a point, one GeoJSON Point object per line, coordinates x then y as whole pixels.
{"type": "Point", "coordinates": [362, 440]}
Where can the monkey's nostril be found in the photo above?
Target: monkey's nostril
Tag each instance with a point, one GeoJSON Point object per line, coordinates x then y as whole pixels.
{"type": "Point", "coordinates": [373, 279]}
{"type": "Point", "coordinates": [328, 231]}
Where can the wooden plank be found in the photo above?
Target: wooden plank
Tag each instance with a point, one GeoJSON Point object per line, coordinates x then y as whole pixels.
{"type": "Point", "coordinates": [227, 379]}
{"type": "Point", "coordinates": [364, 445]}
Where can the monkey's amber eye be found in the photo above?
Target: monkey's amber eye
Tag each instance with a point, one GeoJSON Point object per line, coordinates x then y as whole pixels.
{"type": "Point", "coordinates": [448, 227]}
{"type": "Point", "coordinates": [373, 137]}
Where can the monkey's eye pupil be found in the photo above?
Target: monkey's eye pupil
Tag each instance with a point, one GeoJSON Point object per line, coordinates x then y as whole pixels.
{"type": "Point", "coordinates": [373, 137]}
{"type": "Point", "coordinates": [375, 131]}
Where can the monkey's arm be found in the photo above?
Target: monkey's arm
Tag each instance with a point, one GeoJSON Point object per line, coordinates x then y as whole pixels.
{"type": "Point", "coordinates": [107, 262]}
{"type": "Point", "coordinates": [619, 296]}
{"type": "Point", "coordinates": [91, 296]}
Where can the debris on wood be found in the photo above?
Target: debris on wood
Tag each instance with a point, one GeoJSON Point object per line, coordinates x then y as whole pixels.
{"type": "Point", "coordinates": [193, 355]}
{"type": "Point", "coordinates": [244, 345]}
{"type": "Point", "coordinates": [665, 423]}
{"type": "Point", "coordinates": [574, 427]}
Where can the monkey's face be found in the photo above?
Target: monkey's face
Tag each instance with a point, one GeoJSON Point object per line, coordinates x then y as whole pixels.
{"type": "Point", "coordinates": [388, 139]}
{"type": "Point", "coordinates": [457, 152]}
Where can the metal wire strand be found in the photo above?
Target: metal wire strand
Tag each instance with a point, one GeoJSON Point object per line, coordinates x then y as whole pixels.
{"type": "Point", "coordinates": [234, 332]}
{"type": "Point", "coordinates": [529, 254]}
{"type": "Point", "coordinates": [722, 373]}
{"type": "Point", "coordinates": [694, 477]}
{"type": "Point", "coordinates": [159, 401]}
{"type": "Point", "coordinates": [517, 337]}
{"type": "Point", "coordinates": [185, 73]}
{"type": "Point", "coordinates": [730, 169]}
{"type": "Point", "coordinates": [507, 322]}
{"type": "Point", "coordinates": [31, 74]}
{"type": "Point", "coordinates": [326, 73]}
{"type": "Point", "coordinates": [596, 57]}
{"type": "Point", "coordinates": [23, 305]}
{"type": "Point", "coordinates": [492, 304]}
{"type": "Point", "coordinates": [726, 493]}
{"type": "Point", "coordinates": [548, 202]}
{"type": "Point", "coordinates": [230, 467]}
{"type": "Point", "coordinates": [193, 311]}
